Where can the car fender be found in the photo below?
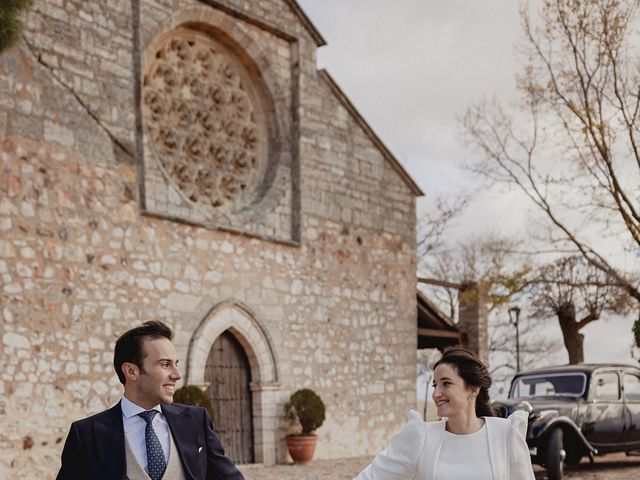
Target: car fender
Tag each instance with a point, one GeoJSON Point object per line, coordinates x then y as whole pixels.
{"type": "Point", "coordinates": [564, 423]}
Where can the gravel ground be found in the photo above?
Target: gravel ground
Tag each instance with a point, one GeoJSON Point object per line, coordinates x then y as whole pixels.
{"type": "Point", "coordinates": [610, 467]}
{"type": "Point", "coordinates": [338, 469]}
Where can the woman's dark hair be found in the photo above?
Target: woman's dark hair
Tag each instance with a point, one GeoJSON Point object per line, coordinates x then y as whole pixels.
{"type": "Point", "coordinates": [474, 374]}
{"type": "Point", "coordinates": [129, 347]}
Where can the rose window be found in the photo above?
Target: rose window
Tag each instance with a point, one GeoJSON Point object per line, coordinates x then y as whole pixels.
{"type": "Point", "coordinates": [202, 122]}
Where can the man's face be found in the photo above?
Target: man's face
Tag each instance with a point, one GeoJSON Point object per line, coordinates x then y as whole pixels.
{"type": "Point", "coordinates": [157, 379]}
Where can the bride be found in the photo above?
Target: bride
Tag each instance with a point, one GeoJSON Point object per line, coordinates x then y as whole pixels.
{"type": "Point", "coordinates": [468, 443]}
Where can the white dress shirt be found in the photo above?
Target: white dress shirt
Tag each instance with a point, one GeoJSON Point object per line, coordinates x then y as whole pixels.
{"type": "Point", "coordinates": [134, 427]}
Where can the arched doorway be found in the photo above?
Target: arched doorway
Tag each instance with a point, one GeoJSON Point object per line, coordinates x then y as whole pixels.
{"type": "Point", "coordinates": [242, 323]}
{"type": "Point", "coordinates": [228, 374]}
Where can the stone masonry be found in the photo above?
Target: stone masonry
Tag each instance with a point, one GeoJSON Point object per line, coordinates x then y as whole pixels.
{"type": "Point", "coordinates": [311, 268]}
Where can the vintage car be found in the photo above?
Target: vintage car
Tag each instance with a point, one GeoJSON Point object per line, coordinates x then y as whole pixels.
{"type": "Point", "coordinates": [576, 411]}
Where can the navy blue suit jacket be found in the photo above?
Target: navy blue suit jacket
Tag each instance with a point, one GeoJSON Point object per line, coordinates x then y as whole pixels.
{"type": "Point", "coordinates": [95, 446]}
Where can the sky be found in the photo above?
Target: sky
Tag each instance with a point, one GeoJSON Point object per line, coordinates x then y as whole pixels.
{"type": "Point", "coordinates": [412, 67]}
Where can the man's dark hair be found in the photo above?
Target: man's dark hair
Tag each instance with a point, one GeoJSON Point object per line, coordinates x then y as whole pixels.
{"type": "Point", "coordinates": [129, 348]}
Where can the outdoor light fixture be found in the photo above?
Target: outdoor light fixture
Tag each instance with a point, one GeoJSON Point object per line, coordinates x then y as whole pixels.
{"type": "Point", "coordinates": [514, 317]}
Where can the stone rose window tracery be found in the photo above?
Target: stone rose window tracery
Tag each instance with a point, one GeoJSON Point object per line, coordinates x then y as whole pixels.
{"type": "Point", "coordinates": [203, 123]}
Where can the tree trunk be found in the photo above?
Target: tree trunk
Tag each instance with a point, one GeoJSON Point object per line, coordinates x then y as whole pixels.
{"type": "Point", "coordinates": [573, 339]}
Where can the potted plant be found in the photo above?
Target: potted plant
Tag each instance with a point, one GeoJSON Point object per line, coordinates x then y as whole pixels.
{"type": "Point", "coordinates": [305, 410]}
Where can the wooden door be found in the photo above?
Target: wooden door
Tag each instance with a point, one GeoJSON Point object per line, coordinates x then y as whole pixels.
{"type": "Point", "coordinates": [229, 376]}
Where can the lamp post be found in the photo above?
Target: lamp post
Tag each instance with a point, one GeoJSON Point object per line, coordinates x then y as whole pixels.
{"type": "Point", "coordinates": [514, 316]}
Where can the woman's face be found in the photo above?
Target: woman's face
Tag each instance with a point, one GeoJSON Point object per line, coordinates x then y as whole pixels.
{"type": "Point", "coordinates": [450, 393]}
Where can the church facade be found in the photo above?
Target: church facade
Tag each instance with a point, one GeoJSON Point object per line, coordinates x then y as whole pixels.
{"type": "Point", "coordinates": [185, 161]}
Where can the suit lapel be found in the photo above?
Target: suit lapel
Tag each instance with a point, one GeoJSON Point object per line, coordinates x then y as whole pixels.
{"type": "Point", "coordinates": [109, 437]}
{"type": "Point", "coordinates": [186, 436]}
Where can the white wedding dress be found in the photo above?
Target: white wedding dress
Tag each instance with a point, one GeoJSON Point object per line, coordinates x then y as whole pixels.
{"type": "Point", "coordinates": [414, 451]}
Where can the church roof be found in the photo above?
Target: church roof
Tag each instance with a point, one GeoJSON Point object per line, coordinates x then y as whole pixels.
{"type": "Point", "coordinates": [307, 23]}
{"type": "Point", "coordinates": [320, 41]}
{"type": "Point", "coordinates": [346, 103]}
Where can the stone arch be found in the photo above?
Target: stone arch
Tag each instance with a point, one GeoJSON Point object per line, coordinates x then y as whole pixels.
{"type": "Point", "coordinates": [238, 319]}
{"type": "Point", "coordinates": [244, 325]}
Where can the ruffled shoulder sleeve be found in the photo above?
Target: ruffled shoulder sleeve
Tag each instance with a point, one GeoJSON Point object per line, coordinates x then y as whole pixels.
{"type": "Point", "coordinates": [520, 462]}
{"type": "Point", "coordinates": [399, 460]}
{"type": "Point", "coordinates": [518, 421]}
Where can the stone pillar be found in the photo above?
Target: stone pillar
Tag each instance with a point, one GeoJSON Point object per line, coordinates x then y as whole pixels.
{"type": "Point", "coordinates": [267, 419]}
{"type": "Point", "coordinates": [473, 320]}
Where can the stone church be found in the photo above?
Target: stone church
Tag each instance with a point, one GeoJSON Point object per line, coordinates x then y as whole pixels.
{"type": "Point", "coordinates": [186, 161]}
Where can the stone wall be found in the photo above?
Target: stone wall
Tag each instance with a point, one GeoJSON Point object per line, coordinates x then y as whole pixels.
{"type": "Point", "coordinates": [81, 262]}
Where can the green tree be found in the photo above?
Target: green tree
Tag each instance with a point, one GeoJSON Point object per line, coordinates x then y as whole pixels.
{"type": "Point", "coordinates": [10, 26]}
{"type": "Point", "coordinates": [572, 144]}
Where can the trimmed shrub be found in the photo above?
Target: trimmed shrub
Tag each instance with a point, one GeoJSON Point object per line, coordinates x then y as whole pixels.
{"type": "Point", "coordinates": [306, 409]}
{"type": "Point", "coordinates": [192, 395]}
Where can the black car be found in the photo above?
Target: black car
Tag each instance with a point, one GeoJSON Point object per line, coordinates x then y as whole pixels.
{"type": "Point", "coordinates": [576, 411]}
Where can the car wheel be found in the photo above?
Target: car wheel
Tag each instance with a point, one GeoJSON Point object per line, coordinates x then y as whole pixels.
{"type": "Point", "coordinates": [555, 455]}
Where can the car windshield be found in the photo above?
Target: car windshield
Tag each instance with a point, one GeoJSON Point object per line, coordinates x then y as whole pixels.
{"type": "Point", "coordinates": [549, 385]}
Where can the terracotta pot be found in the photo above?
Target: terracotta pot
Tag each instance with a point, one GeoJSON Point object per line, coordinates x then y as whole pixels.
{"type": "Point", "coordinates": [301, 447]}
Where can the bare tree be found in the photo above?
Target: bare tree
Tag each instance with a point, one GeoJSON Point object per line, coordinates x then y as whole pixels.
{"type": "Point", "coordinates": [535, 345]}
{"type": "Point", "coordinates": [571, 286]}
{"type": "Point", "coordinates": [572, 146]}
{"type": "Point", "coordinates": [503, 277]}
{"type": "Point", "coordinates": [435, 225]}
{"type": "Point", "coordinates": [491, 263]}
{"type": "Point", "coordinates": [434, 246]}
{"type": "Point", "coordinates": [484, 261]}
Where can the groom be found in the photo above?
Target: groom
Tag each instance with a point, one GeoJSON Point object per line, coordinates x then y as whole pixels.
{"type": "Point", "coordinates": [144, 436]}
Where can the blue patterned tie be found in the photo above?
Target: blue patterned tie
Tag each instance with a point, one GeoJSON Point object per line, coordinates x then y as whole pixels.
{"type": "Point", "coordinates": [155, 456]}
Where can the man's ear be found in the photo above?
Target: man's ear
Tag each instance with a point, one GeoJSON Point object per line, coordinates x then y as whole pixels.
{"type": "Point", "coordinates": [131, 371]}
